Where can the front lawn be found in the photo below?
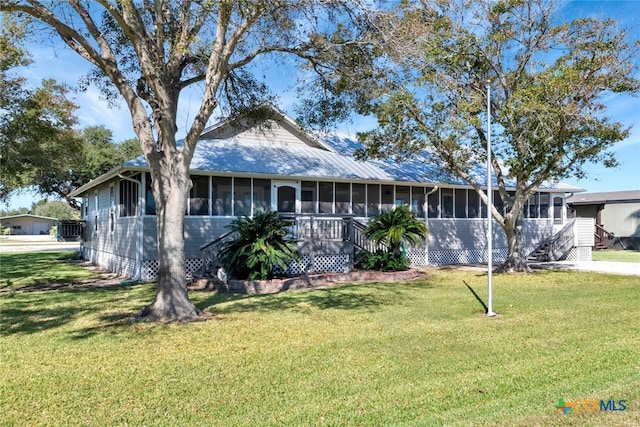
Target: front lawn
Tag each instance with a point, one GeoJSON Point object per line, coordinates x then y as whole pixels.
{"type": "Point", "coordinates": [414, 353]}
{"type": "Point", "coordinates": [18, 269]}
{"type": "Point", "coordinates": [620, 256]}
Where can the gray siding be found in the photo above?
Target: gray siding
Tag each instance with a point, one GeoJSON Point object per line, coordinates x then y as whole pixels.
{"type": "Point", "coordinates": [622, 219]}
{"type": "Point", "coordinates": [471, 234]}
{"type": "Point", "coordinates": [198, 230]}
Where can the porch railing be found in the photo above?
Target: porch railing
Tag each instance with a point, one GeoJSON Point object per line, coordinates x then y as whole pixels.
{"type": "Point", "coordinates": [361, 241]}
{"type": "Point", "coordinates": [603, 238]}
{"type": "Point", "coordinates": [557, 246]}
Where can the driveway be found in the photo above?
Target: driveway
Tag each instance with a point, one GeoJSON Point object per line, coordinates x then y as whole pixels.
{"type": "Point", "coordinates": [35, 244]}
{"type": "Point", "coordinates": [625, 268]}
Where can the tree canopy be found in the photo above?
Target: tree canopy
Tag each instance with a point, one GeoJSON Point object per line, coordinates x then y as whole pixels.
{"type": "Point", "coordinates": [147, 53]}
{"type": "Point", "coordinates": [36, 124]}
{"type": "Point", "coordinates": [548, 81]}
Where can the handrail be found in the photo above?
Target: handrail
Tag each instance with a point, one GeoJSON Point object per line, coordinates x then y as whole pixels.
{"type": "Point", "coordinates": [557, 245]}
{"type": "Point", "coordinates": [602, 236]}
{"type": "Point", "coordinates": [364, 243]}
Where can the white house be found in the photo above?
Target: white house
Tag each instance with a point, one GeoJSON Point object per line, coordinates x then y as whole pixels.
{"type": "Point", "coordinates": [239, 167]}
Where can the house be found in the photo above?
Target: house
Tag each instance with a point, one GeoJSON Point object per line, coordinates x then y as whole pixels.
{"type": "Point", "coordinates": [241, 166]}
{"type": "Point", "coordinates": [616, 215]}
{"type": "Point", "coordinates": [27, 224]}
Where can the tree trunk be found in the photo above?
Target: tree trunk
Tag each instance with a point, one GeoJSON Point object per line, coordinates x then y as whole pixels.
{"type": "Point", "coordinates": [516, 260]}
{"type": "Point", "coordinates": [172, 302]}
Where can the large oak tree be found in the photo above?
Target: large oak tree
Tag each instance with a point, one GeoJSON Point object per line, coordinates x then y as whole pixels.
{"type": "Point", "coordinates": [150, 52]}
{"type": "Point", "coordinates": [548, 80]}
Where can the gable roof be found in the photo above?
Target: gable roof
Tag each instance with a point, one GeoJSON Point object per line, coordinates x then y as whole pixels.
{"type": "Point", "coordinates": [28, 216]}
{"type": "Point", "coordinates": [604, 197]}
{"type": "Point", "coordinates": [281, 148]}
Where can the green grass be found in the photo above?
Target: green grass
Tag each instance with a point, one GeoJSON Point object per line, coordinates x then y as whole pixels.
{"type": "Point", "coordinates": [19, 269]}
{"type": "Point", "coordinates": [415, 353]}
{"type": "Point", "coordinates": [622, 256]}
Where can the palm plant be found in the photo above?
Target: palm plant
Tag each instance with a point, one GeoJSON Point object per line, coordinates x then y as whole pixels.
{"type": "Point", "coordinates": [260, 247]}
{"type": "Point", "coordinates": [395, 226]}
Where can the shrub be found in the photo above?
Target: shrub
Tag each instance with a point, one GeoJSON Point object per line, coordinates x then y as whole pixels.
{"type": "Point", "coordinates": [381, 261]}
{"type": "Point", "coordinates": [260, 247]}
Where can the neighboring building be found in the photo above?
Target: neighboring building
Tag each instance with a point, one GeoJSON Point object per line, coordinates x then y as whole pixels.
{"type": "Point", "coordinates": [239, 167]}
{"type": "Point", "coordinates": [616, 213]}
{"type": "Point", "coordinates": [27, 224]}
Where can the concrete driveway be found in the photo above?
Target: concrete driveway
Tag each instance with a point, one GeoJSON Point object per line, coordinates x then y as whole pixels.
{"type": "Point", "coordinates": [625, 268]}
{"type": "Point", "coordinates": [35, 243]}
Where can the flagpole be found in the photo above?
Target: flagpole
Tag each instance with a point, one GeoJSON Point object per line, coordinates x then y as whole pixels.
{"type": "Point", "coordinates": [490, 312]}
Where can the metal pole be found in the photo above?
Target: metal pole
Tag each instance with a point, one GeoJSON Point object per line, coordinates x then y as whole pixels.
{"type": "Point", "coordinates": [490, 312]}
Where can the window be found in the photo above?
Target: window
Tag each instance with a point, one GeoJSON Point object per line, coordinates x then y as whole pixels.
{"type": "Point", "coordinates": [359, 199]}
{"type": "Point", "coordinates": [433, 203]}
{"type": "Point", "coordinates": [417, 201]}
{"type": "Point", "coordinates": [199, 196]}
{"type": "Point", "coordinates": [325, 199]}
{"type": "Point", "coordinates": [544, 205]}
{"type": "Point", "coordinates": [497, 202]}
{"type": "Point", "coordinates": [221, 196]}
{"type": "Point", "coordinates": [461, 203]}
{"type": "Point", "coordinates": [403, 196]}
{"type": "Point", "coordinates": [95, 211]}
{"type": "Point", "coordinates": [343, 197]}
{"type": "Point", "coordinates": [128, 191]}
{"type": "Point", "coordinates": [387, 201]}
{"type": "Point", "coordinates": [308, 196]}
{"type": "Point", "coordinates": [150, 201]}
{"type": "Point", "coordinates": [373, 199]}
{"type": "Point", "coordinates": [112, 207]}
{"type": "Point", "coordinates": [242, 196]}
{"type": "Point", "coordinates": [533, 206]}
{"type": "Point", "coordinates": [473, 206]}
{"type": "Point", "coordinates": [261, 195]}
{"type": "Point", "coordinates": [446, 195]}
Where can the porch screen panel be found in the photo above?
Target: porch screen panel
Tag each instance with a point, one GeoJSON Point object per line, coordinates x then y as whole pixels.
{"type": "Point", "coordinates": [533, 206]}
{"type": "Point", "coordinates": [417, 201]}
{"type": "Point", "coordinates": [446, 196]}
{"type": "Point", "coordinates": [221, 196]}
{"type": "Point", "coordinates": [128, 197]}
{"type": "Point", "coordinates": [325, 197]}
{"type": "Point", "coordinates": [308, 196]}
{"type": "Point", "coordinates": [387, 201]}
{"type": "Point", "coordinates": [473, 206]}
{"type": "Point", "coordinates": [373, 199]}
{"type": "Point", "coordinates": [343, 197]}
{"type": "Point", "coordinates": [150, 202]}
{"type": "Point", "coordinates": [403, 196]}
{"type": "Point", "coordinates": [358, 199]}
{"type": "Point", "coordinates": [557, 210]}
{"type": "Point", "coordinates": [433, 201]}
{"type": "Point", "coordinates": [199, 196]}
{"type": "Point", "coordinates": [242, 196]}
{"type": "Point", "coordinates": [544, 205]}
{"type": "Point", "coordinates": [497, 202]}
{"type": "Point", "coordinates": [261, 195]}
{"type": "Point", "coordinates": [461, 203]}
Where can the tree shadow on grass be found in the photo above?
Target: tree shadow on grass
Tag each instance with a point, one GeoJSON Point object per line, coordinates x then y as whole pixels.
{"type": "Point", "coordinates": [32, 312]}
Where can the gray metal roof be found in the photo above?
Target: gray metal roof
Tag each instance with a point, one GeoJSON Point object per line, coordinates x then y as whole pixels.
{"type": "Point", "coordinates": [604, 197]}
{"type": "Point", "coordinates": [330, 158]}
{"type": "Point", "coordinates": [255, 156]}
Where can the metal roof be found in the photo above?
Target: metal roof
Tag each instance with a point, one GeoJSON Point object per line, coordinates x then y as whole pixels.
{"type": "Point", "coordinates": [243, 153]}
{"type": "Point", "coordinates": [604, 197]}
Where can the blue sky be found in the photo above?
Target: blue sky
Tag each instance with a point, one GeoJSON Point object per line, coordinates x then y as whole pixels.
{"type": "Point", "coordinates": [54, 61]}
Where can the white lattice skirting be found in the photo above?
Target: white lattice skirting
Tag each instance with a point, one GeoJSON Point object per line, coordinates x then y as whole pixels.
{"type": "Point", "coordinates": [582, 253]}
{"type": "Point", "coordinates": [329, 263]}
